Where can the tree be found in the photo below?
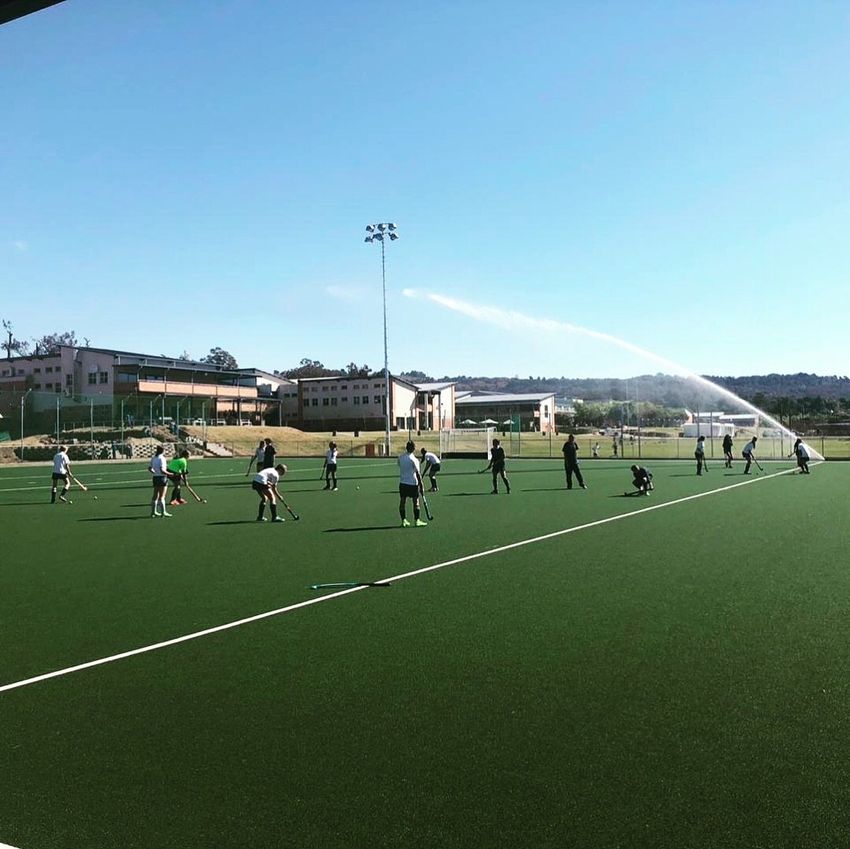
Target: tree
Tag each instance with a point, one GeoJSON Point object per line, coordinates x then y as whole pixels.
{"type": "Point", "coordinates": [353, 370]}
{"type": "Point", "coordinates": [310, 368]}
{"type": "Point", "coordinates": [51, 342]}
{"type": "Point", "coordinates": [220, 357]}
{"type": "Point", "coordinates": [11, 345]}
{"type": "Point", "coordinates": [417, 376]}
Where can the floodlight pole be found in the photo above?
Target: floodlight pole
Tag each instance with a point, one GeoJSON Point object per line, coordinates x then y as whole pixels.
{"type": "Point", "coordinates": [23, 399]}
{"type": "Point", "coordinates": [380, 232]}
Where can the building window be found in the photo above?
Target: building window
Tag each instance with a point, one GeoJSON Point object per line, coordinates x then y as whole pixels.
{"type": "Point", "coordinates": [333, 402]}
{"type": "Point", "coordinates": [376, 399]}
{"type": "Point", "coordinates": [48, 369]}
{"type": "Point", "coordinates": [326, 402]}
{"type": "Point", "coordinates": [93, 378]}
{"type": "Point", "coordinates": [344, 399]}
{"type": "Point", "coordinates": [68, 379]}
{"type": "Point", "coordinates": [356, 400]}
{"type": "Point", "coordinates": [36, 371]}
{"type": "Point", "coordinates": [365, 399]}
{"type": "Point", "coordinates": [315, 402]}
{"type": "Point", "coordinates": [324, 389]}
{"type": "Point", "coordinates": [58, 387]}
{"type": "Point", "coordinates": [104, 377]}
{"type": "Point", "coordinates": [37, 387]}
{"type": "Point", "coordinates": [377, 385]}
{"type": "Point", "coordinates": [58, 370]}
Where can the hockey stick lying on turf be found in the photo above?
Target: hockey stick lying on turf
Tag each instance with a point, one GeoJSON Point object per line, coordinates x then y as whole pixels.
{"type": "Point", "coordinates": [346, 584]}
{"type": "Point", "coordinates": [288, 508]}
{"type": "Point", "coordinates": [428, 512]}
{"type": "Point", "coordinates": [80, 484]}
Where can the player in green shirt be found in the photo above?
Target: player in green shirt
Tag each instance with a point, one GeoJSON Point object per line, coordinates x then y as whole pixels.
{"type": "Point", "coordinates": [178, 473]}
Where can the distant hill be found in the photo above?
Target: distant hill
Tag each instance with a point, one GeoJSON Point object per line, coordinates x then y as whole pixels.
{"type": "Point", "coordinates": [663, 388]}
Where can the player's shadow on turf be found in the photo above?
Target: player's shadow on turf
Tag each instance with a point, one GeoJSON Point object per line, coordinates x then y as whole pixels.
{"type": "Point", "coordinates": [369, 528]}
{"type": "Point", "coordinates": [465, 494]}
{"type": "Point", "coordinates": [548, 489]}
{"type": "Point", "coordinates": [236, 522]}
{"type": "Point", "coordinates": [115, 519]}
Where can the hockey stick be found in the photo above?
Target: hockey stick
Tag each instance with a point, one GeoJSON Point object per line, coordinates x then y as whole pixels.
{"type": "Point", "coordinates": [81, 485]}
{"type": "Point", "coordinates": [428, 512]}
{"type": "Point", "coordinates": [347, 584]}
{"type": "Point", "coordinates": [197, 497]}
{"type": "Point", "coordinates": [289, 509]}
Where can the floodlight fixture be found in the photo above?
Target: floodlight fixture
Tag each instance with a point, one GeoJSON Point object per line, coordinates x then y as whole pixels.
{"type": "Point", "coordinates": [376, 234]}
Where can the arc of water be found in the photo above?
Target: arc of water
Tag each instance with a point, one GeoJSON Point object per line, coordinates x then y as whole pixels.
{"type": "Point", "coordinates": [512, 320]}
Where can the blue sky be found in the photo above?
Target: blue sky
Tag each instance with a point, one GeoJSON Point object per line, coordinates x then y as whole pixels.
{"type": "Point", "coordinates": [178, 176]}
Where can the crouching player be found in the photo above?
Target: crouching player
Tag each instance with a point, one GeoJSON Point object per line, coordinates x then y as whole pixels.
{"type": "Point", "coordinates": [265, 485]}
{"type": "Point", "coordinates": [642, 481]}
{"type": "Point", "coordinates": [432, 467]}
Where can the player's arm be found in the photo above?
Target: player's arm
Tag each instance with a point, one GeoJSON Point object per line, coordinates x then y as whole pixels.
{"type": "Point", "coordinates": [419, 480]}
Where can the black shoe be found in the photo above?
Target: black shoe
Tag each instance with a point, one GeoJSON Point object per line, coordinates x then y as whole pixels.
{"type": "Point", "coordinates": [495, 492]}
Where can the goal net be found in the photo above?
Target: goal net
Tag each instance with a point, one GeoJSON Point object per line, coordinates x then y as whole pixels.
{"type": "Point", "coordinates": [467, 440]}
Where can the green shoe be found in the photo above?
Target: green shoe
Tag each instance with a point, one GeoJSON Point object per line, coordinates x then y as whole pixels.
{"type": "Point", "coordinates": [420, 523]}
{"type": "Point", "coordinates": [405, 523]}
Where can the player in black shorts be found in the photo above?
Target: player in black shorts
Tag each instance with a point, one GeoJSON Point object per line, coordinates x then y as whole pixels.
{"type": "Point", "coordinates": [497, 465]}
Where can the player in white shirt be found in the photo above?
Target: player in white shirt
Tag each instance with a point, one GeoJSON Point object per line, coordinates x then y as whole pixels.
{"type": "Point", "coordinates": [265, 485]}
{"type": "Point", "coordinates": [158, 468]}
{"type": "Point", "coordinates": [61, 472]}
{"type": "Point", "coordinates": [432, 466]}
{"type": "Point", "coordinates": [409, 485]}
{"type": "Point", "coordinates": [749, 453]}
{"type": "Point", "coordinates": [330, 466]}
{"type": "Point", "coordinates": [258, 458]}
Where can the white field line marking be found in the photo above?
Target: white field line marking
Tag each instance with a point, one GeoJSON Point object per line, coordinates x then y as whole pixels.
{"type": "Point", "coordinates": [309, 602]}
{"type": "Point", "coordinates": [6, 846]}
{"type": "Point", "coordinates": [203, 478]}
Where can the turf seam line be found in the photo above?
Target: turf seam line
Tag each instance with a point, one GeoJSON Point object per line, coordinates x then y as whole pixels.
{"type": "Point", "coordinates": [319, 600]}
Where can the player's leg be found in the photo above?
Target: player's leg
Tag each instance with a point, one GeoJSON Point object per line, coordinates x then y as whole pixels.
{"type": "Point", "coordinates": [402, 505]}
{"type": "Point", "coordinates": [495, 481]}
{"type": "Point", "coordinates": [505, 479]}
{"type": "Point", "coordinates": [579, 478]}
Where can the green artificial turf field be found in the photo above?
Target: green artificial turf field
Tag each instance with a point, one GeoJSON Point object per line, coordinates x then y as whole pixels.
{"type": "Point", "coordinates": [674, 678]}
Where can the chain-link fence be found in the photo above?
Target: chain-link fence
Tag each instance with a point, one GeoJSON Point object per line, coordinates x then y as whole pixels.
{"type": "Point", "coordinates": [34, 423]}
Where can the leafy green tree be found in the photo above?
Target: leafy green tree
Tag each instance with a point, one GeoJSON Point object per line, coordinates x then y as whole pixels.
{"type": "Point", "coordinates": [220, 357]}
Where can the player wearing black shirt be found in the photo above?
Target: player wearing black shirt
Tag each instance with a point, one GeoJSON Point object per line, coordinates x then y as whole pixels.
{"type": "Point", "coordinates": [570, 451]}
{"type": "Point", "coordinates": [497, 465]}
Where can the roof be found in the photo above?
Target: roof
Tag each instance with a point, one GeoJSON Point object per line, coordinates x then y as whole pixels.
{"type": "Point", "coordinates": [346, 378]}
{"type": "Point", "coordinates": [258, 372]}
{"type": "Point", "coordinates": [434, 387]}
{"type": "Point", "coordinates": [484, 400]}
{"type": "Point", "coordinates": [11, 9]}
{"type": "Point", "coordinates": [132, 358]}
